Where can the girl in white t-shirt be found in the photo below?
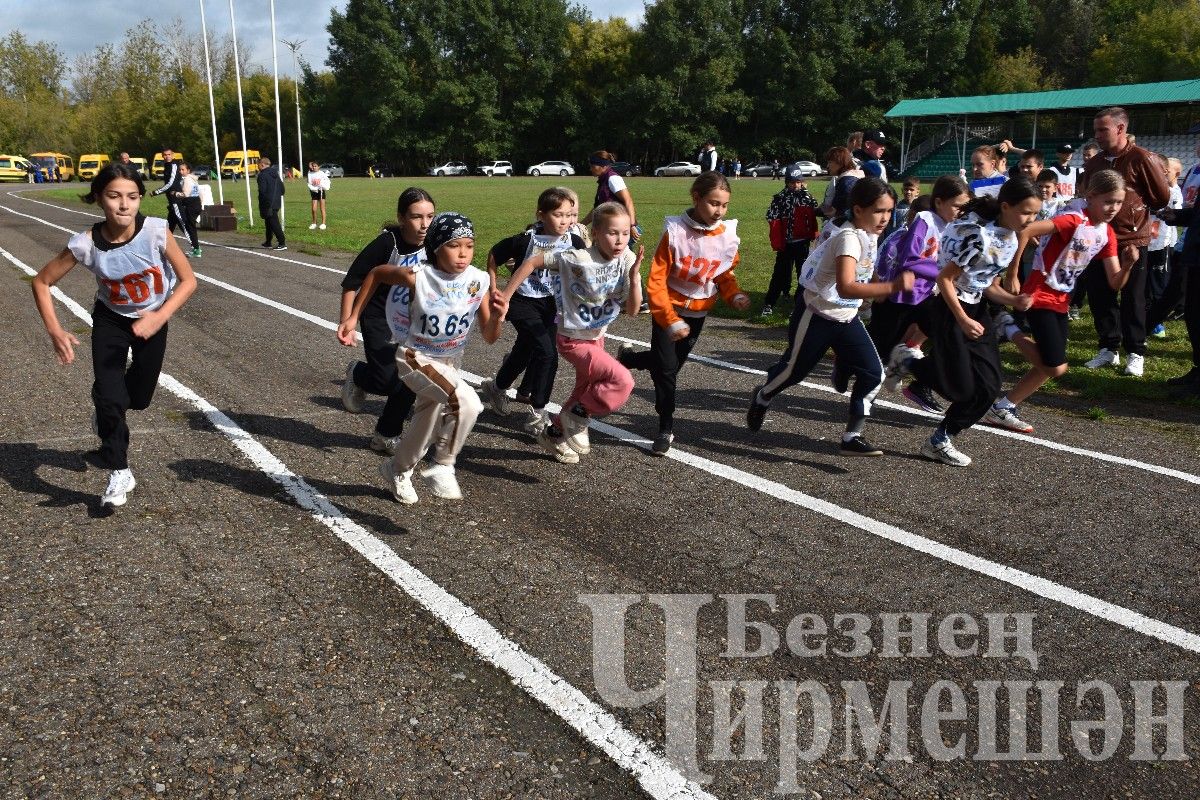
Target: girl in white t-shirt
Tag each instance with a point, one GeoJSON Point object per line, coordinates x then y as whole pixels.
{"type": "Point", "coordinates": [447, 295]}
{"type": "Point", "coordinates": [318, 187]}
{"type": "Point", "coordinates": [593, 286]}
{"type": "Point", "coordinates": [143, 278]}
{"type": "Point", "coordinates": [837, 277]}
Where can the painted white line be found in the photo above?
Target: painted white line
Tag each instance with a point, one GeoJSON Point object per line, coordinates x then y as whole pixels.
{"type": "Point", "coordinates": [1049, 444]}
{"type": "Point", "coordinates": [249, 250]}
{"type": "Point", "coordinates": [1110, 612]}
{"type": "Point", "coordinates": [658, 777]}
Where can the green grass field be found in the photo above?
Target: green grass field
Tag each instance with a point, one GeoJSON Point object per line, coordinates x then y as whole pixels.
{"type": "Point", "coordinates": [500, 207]}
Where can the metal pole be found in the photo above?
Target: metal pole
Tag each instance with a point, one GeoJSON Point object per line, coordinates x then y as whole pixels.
{"type": "Point", "coordinates": [237, 73]}
{"type": "Point", "coordinates": [212, 110]}
{"type": "Point", "coordinates": [295, 46]}
{"type": "Point", "coordinates": [278, 127]}
{"type": "Point", "coordinates": [1034, 145]}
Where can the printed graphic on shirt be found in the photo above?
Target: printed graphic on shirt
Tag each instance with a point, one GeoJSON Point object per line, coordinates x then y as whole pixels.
{"type": "Point", "coordinates": [543, 282]}
{"type": "Point", "coordinates": [1063, 262]}
{"type": "Point", "coordinates": [132, 277]}
{"type": "Point", "coordinates": [698, 259]}
{"type": "Point", "coordinates": [981, 250]}
{"type": "Point", "coordinates": [399, 298]}
{"type": "Point", "coordinates": [443, 308]}
{"type": "Point", "coordinates": [594, 294]}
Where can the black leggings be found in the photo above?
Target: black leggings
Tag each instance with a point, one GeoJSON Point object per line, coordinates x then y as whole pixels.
{"type": "Point", "coordinates": [534, 352]}
{"type": "Point", "coordinates": [787, 261]}
{"type": "Point", "coordinates": [889, 321]}
{"type": "Point", "coordinates": [964, 371]}
{"type": "Point", "coordinates": [377, 375]}
{"type": "Point", "coordinates": [664, 359]}
{"type": "Point", "coordinates": [118, 389]}
{"type": "Point", "coordinates": [810, 337]}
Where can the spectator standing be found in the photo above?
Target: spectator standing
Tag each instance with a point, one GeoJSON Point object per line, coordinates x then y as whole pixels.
{"type": "Point", "coordinates": [318, 186]}
{"type": "Point", "coordinates": [1121, 320]}
{"type": "Point", "coordinates": [792, 221]}
{"type": "Point", "coordinates": [270, 200]}
{"type": "Point", "coordinates": [874, 146]}
{"type": "Point", "coordinates": [843, 174]}
{"type": "Point", "coordinates": [707, 159]}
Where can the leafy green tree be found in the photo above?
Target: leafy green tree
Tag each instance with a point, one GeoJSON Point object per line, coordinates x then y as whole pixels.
{"type": "Point", "coordinates": [1162, 44]}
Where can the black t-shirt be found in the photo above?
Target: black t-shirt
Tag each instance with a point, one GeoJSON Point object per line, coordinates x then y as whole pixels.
{"type": "Point", "coordinates": [515, 248]}
{"type": "Point", "coordinates": [376, 253]}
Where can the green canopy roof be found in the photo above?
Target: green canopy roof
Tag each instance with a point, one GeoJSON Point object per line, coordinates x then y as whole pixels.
{"type": "Point", "coordinates": [1139, 94]}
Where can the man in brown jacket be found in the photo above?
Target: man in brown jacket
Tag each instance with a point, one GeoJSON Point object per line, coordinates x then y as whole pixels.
{"type": "Point", "coordinates": [1123, 322]}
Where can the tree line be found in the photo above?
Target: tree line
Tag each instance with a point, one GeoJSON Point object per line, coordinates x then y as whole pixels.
{"type": "Point", "coordinates": [417, 82]}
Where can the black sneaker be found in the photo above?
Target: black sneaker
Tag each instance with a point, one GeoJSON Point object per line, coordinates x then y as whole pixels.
{"type": "Point", "coordinates": [625, 351]}
{"type": "Point", "coordinates": [1188, 380]}
{"type": "Point", "coordinates": [923, 397]}
{"type": "Point", "coordinates": [280, 247]}
{"type": "Point", "coordinates": [858, 446]}
{"type": "Point", "coordinates": [662, 443]}
{"type": "Point", "coordinates": [756, 413]}
{"type": "Point", "coordinates": [840, 378]}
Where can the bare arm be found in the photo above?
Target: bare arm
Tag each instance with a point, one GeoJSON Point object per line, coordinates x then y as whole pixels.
{"type": "Point", "coordinates": [388, 274]}
{"type": "Point", "coordinates": [49, 275]}
{"type": "Point", "coordinates": [150, 322]}
{"type": "Point", "coordinates": [945, 282]}
{"type": "Point", "coordinates": [522, 272]}
{"type": "Point", "coordinates": [491, 314]}
{"type": "Point", "coordinates": [347, 304]}
{"type": "Point", "coordinates": [627, 200]}
{"type": "Point", "coordinates": [1035, 230]}
{"type": "Point", "coordinates": [1117, 275]}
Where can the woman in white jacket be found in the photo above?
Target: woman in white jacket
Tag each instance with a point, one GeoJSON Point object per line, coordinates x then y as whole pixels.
{"type": "Point", "coordinates": [318, 185]}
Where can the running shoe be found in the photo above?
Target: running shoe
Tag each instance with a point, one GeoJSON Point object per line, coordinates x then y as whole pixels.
{"type": "Point", "coordinates": [1073, 313]}
{"type": "Point", "coordinates": [1105, 358]}
{"type": "Point", "coordinates": [352, 396]}
{"type": "Point", "coordinates": [400, 485]}
{"type": "Point", "coordinates": [552, 442]}
{"type": "Point", "coordinates": [945, 452]}
{"type": "Point", "coordinates": [1159, 332]}
{"type": "Point", "coordinates": [662, 443]}
{"type": "Point", "coordinates": [494, 397]}
{"type": "Point", "coordinates": [768, 311]}
{"type": "Point", "coordinates": [858, 446]}
{"type": "Point", "coordinates": [312, 226]}
{"type": "Point", "coordinates": [321, 226]}
{"type": "Point", "coordinates": [899, 365]}
{"type": "Point", "coordinates": [756, 413]}
{"type": "Point", "coordinates": [575, 431]}
{"type": "Point", "coordinates": [384, 444]}
{"type": "Point", "coordinates": [536, 421]}
{"type": "Point", "coordinates": [624, 351]}
{"type": "Point", "coordinates": [922, 397]}
{"type": "Point", "coordinates": [196, 254]}
{"type": "Point", "coordinates": [442, 481]}
{"type": "Point", "coordinates": [120, 483]}
{"type": "Point", "coordinates": [1136, 366]}
{"type": "Point", "coordinates": [1006, 418]}
{"type": "Point", "coordinates": [645, 309]}
{"type": "Point", "coordinates": [280, 247]}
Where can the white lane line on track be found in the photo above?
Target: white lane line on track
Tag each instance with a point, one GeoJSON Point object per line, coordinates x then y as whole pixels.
{"type": "Point", "coordinates": [1049, 444]}
{"type": "Point", "coordinates": [1042, 587]}
{"type": "Point", "coordinates": [94, 216]}
{"type": "Point", "coordinates": [658, 777]}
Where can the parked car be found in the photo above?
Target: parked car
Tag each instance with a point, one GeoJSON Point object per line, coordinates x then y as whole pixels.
{"type": "Point", "coordinates": [333, 170]}
{"type": "Point", "coordinates": [560, 168]}
{"type": "Point", "coordinates": [762, 169]}
{"type": "Point", "coordinates": [809, 168]}
{"type": "Point", "coordinates": [15, 169]}
{"type": "Point", "coordinates": [493, 168]}
{"type": "Point", "coordinates": [677, 168]}
{"type": "Point", "coordinates": [626, 169]}
{"type": "Point", "coordinates": [450, 168]}
{"type": "Point", "coordinates": [204, 172]}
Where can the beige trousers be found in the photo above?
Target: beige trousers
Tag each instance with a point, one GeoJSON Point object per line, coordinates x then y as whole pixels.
{"type": "Point", "coordinates": [443, 424]}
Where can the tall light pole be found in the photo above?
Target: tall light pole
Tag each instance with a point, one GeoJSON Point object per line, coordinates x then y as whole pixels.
{"type": "Point", "coordinates": [237, 72]}
{"type": "Point", "coordinates": [212, 111]}
{"type": "Point", "coordinates": [295, 47]}
{"type": "Point", "coordinates": [278, 127]}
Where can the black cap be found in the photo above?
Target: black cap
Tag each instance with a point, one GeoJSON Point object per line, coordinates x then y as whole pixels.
{"type": "Point", "coordinates": [1066, 148]}
{"type": "Point", "coordinates": [875, 136]}
{"type": "Point", "coordinates": [794, 173]}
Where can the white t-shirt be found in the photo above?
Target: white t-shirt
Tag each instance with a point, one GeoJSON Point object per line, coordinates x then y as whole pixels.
{"type": "Point", "coordinates": [132, 276]}
{"type": "Point", "coordinates": [818, 276]}
{"type": "Point", "coordinates": [592, 290]}
{"type": "Point", "coordinates": [443, 310]}
{"type": "Point", "coordinates": [318, 181]}
{"type": "Point", "coordinates": [981, 249]}
{"type": "Point", "coordinates": [1163, 235]}
{"type": "Point", "coordinates": [616, 183]}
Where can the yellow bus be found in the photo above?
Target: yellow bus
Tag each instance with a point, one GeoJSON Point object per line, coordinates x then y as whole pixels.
{"type": "Point", "coordinates": [14, 169]}
{"type": "Point", "coordinates": [231, 167]}
{"type": "Point", "coordinates": [156, 163]}
{"type": "Point", "coordinates": [49, 162]}
{"type": "Point", "coordinates": [91, 163]}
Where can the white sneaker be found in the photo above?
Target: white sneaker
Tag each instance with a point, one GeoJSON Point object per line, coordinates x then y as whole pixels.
{"type": "Point", "coordinates": [120, 483]}
{"type": "Point", "coordinates": [321, 226]}
{"type": "Point", "coordinates": [352, 396]}
{"type": "Point", "coordinates": [1136, 365]}
{"type": "Point", "coordinates": [401, 485]}
{"type": "Point", "coordinates": [536, 421]}
{"type": "Point", "coordinates": [575, 432]}
{"type": "Point", "coordinates": [944, 452]}
{"type": "Point", "coordinates": [384, 444]}
{"type": "Point", "coordinates": [1006, 418]}
{"type": "Point", "coordinates": [495, 397]}
{"type": "Point", "coordinates": [1105, 358]}
{"type": "Point", "coordinates": [312, 227]}
{"type": "Point", "coordinates": [442, 481]}
{"type": "Point", "coordinates": [899, 365]}
{"type": "Point", "coordinates": [556, 447]}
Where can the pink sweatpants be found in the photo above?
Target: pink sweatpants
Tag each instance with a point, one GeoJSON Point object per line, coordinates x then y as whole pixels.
{"type": "Point", "coordinates": [602, 385]}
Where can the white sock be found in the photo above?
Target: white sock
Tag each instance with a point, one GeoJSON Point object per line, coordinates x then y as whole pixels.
{"type": "Point", "coordinates": [848, 436]}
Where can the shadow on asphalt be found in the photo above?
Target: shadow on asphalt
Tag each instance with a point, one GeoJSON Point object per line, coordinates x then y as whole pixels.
{"type": "Point", "coordinates": [19, 466]}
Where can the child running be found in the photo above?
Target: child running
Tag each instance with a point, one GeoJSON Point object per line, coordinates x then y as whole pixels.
{"type": "Point", "coordinates": [897, 321]}
{"type": "Point", "coordinates": [142, 279]}
{"type": "Point", "coordinates": [385, 317]}
{"type": "Point", "coordinates": [594, 285]}
{"type": "Point", "coordinates": [837, 277]}
{"type": "Point", "coordinates": [1068, 242]}
{"type": "Point", "coordinates": [694, 263]}
{"type": "Point", "coordinates": [533, 307]}
{"type": "Point", "coordinates": [964, 365]}
{"type": "Point", "coordinates": [447, 294]}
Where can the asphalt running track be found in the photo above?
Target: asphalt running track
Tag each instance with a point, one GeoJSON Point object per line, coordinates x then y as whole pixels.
{"type": "Point", "coordinates": [263, 619]}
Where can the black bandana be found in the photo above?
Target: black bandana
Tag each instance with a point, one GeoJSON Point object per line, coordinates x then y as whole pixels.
{"type": "Point", "coordinates": [446, 227]}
